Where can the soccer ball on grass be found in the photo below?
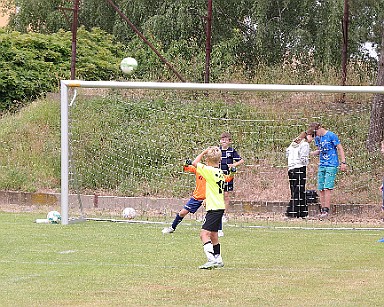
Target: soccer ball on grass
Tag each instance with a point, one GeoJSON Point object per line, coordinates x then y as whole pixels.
{"type": "Point", "coordinates": [128, 65]}
{"type": "Point", "coordinates": [129, 213]}
{"type": "Point", "coordinates": [54, 217]}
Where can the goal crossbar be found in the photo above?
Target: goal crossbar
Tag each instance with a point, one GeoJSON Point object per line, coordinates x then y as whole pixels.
{"type": "Point", "coordinates": [222, 86]}
{"type": "Point", "coordinates": [73, 84]}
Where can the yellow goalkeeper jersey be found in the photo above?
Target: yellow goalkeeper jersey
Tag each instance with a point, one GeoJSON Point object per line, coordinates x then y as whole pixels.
{"type": "Point", "coordinates": [214, 189]}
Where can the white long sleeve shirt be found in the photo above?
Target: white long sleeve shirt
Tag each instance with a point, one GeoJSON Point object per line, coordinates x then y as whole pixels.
{"type": "Point", "coordinates": [298, 154]}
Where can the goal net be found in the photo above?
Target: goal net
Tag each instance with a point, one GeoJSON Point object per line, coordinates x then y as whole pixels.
{"type": "Point", "coordinates": [124, 145]}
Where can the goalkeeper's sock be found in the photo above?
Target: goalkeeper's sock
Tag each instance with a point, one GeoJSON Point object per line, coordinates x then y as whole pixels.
{"type": "Point", "coordinates": [216, 252]}
{"type": "Point", "coordinates": [208, 250]}
{"type": "Point", "coordinates": [176, 221]}
{"type": "Point", "coordinates": [216, 249]}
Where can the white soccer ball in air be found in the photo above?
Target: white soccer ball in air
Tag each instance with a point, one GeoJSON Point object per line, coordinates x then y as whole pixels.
{"type": "Point", "coordinates": [54, 217]}
{"type": "Point", "coordinates": [128, 65]}
{"type": "Point", "coordinates": [129, 213]}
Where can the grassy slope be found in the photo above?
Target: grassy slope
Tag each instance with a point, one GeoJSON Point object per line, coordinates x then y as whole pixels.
{"type": "Point", "coordinates": [30, 147]}
{"type": "Point", "coordinates": [30, 144]}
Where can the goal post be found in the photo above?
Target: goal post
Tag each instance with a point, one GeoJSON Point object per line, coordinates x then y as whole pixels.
{"type": "Point", "coordinates": [67, 85]}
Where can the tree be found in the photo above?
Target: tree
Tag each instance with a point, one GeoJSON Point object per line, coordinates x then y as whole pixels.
{"type": "Point", "coordinates": [376, 125]}
{"type": "Point", "coordinates": [253, 32]}
{"type": "Point", "coordinates": [42, 16]}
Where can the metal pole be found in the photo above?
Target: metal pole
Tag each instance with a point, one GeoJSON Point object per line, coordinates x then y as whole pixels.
{"type": "Point", "coordinates": [237, 87]}
{"type": "Point", "coordinates": [64, 155]}
{"type": "Point", "coordinates": [208, 47]}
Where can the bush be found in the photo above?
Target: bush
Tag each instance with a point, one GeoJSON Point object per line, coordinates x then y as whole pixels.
{"type": "Point", "coordinates": [32, 64]}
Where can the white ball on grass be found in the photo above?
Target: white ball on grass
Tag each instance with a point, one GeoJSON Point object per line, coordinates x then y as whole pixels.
{"type": "Point", "coordinates": [54, 217]}
{"type": "Point", "coordinates": [129, 213]}
{"type": "Point", "coordinates": [128, 65]}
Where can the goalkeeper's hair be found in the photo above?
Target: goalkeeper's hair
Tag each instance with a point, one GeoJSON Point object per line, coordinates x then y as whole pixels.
{"type": "Point", "coordinates": [213, 155]}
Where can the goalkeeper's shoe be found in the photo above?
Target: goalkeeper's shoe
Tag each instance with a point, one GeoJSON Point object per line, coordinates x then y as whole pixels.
{"type": "Point", "coordinates": [218, 261]}
{"type": "Point", "coordinates": [168, 230]}
{"type": "Point", "coordinates": [219, 264]}
{"type": "Point", "coordinates": [381, 240]}
{"type": "Point", "coordinates": [208, 265]}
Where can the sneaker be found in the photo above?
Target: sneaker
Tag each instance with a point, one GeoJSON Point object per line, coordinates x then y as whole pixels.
{"type": "Point", "coordinates": [220, 233]}
{"type": "Point", "coordinates": [219, 264]}
{"type": "Point", "coordinates": [167, 230]}
{"type": "Point", "coordinates": [208, 265]}
{"type": "Point", "coordinates": [381, 240]}
{"type": "Point", "coordinates": [324, 213]}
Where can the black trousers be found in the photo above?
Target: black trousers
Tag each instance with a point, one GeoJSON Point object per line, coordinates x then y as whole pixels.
{"type": "Point", "coordinates": [297, 205]}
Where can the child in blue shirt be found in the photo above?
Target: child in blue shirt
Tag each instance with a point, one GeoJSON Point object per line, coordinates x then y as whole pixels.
{"type": "Point", "coordinates": [329, 150]}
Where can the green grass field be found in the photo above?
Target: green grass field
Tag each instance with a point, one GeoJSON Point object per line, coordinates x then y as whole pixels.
{"type": "Point", "coordinates": [131, 264]}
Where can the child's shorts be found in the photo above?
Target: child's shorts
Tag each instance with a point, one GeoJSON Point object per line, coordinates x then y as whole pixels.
{"type": "Point", "coordinates": [193, 205]}
{"type": "Point", "coordinates": [212, 220]}
{"type": "Point", "coordinates": [326, 177]}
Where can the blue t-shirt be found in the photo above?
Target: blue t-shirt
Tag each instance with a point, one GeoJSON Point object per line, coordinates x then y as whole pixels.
{"type": "Point", "coordinates": [328, 152]}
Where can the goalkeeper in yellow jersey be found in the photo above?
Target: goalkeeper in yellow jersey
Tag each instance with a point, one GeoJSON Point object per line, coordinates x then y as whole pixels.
{"type": "Point", "coordinates": [215, 205]}
{"type": "Point", "coordinates": [195, 202]}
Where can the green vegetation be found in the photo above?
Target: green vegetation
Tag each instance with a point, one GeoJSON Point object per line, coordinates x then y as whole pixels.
{"type": "Point", "coordinates": [33, 64]}
{"type": "Point", "coordinates": [247, 33]}
{"type": "Point", "coordinates": [130, 144]}
{"type": "Point", "coordinates": [30, 147]}
{"type": "Point", "coordinates": [115, 264]}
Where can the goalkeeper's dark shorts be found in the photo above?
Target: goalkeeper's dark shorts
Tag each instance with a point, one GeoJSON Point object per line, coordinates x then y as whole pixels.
{"type": "Point", "coordinates": [212, 220]}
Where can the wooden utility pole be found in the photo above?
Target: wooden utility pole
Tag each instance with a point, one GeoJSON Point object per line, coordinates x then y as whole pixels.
{"type": "Point", "coordinates": [74, 38]}
{"type": "Point", "coordinates": [208, 47]}
{"type": "Point", "coordinates": [74, 26]}
{"type": "Point", "coordinates": [344, 54]}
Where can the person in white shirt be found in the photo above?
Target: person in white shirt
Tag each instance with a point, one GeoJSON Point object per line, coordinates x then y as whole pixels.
{"type": "Point", "coordinates": [298, 158]}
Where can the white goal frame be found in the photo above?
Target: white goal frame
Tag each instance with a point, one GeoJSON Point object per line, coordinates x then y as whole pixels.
{"type": "Point", "coordinates": [66, 85]}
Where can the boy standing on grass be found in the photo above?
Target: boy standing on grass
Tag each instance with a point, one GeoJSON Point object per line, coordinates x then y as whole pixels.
{"type": "Point", "coordinates": [329, 149]}
{"type": "Point", "coordinates": [298, 158]}
{"type": "Point", "coordinates": [215, 205]}
{"type": "Point", "coordinates": [229, 158]}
